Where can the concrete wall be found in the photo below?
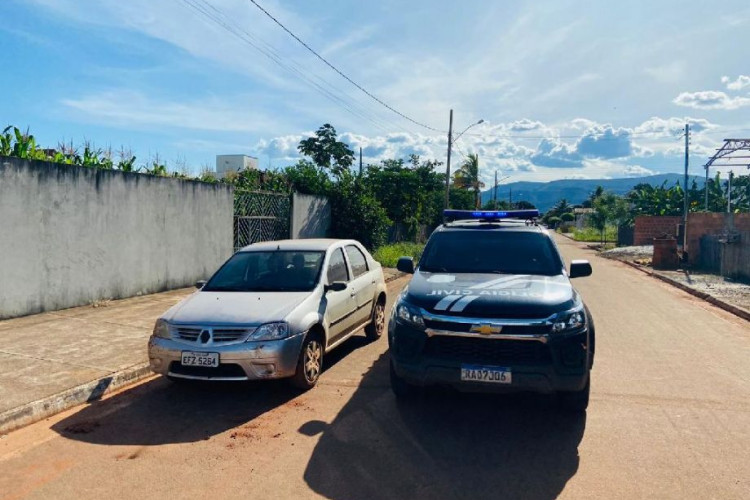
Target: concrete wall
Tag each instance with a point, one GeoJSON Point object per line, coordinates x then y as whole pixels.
{"type": "Point", "coordinates": [735, 258]}
{"type": "Point", "coordinates": [647, 228]}
{"type": "Point", "coordinates": [311, 216]}
{"type": "Point", "coordinates": [73, 235]}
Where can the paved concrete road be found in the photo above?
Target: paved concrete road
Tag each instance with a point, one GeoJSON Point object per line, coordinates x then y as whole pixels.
{"type": "Point", "coordinates": [669, 418]}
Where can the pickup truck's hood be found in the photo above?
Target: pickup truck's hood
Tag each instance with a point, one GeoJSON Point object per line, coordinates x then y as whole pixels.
{"type": "Point", "coordinates": [246, 308]}
{"type": "Point", "coordinates": [491, 295]}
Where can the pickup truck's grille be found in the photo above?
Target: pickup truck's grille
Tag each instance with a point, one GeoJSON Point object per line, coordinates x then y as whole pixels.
{"type": "Point", "coordinates": [454, 326]}
{"type": "Point", "coordinates": [217, 335]}
{"type": "Point", "coordinates": [487, 351]}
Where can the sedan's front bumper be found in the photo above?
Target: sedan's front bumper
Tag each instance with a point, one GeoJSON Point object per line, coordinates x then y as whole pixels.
{"type": "Point", "coordinates": [242, 361]}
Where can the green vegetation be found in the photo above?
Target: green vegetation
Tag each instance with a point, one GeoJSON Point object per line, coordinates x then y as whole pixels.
{"type": "Point", "coordinates": [595, 235]}
{"type": "Point", "coordinates": [388, 255]}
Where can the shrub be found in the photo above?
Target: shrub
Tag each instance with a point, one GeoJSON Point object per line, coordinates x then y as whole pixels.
{"type": "Point", "coordinates": [567, 217]}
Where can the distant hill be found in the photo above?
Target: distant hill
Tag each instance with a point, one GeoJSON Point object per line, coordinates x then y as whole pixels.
{"type": "Point", "coordinates": [545, 194]}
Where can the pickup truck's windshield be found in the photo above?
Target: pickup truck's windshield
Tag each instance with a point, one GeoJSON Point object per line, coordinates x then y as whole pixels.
{"type": "Point", "coordinates": [506, 252]}
{"type": "Point", "coordinates": [272, 271]}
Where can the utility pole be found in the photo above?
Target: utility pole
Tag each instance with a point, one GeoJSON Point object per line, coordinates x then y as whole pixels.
{"type": "Point", "coordinates": [494, 193]}
{"type": "Point", "coordinates": [448, 163]}
{"type": "Point", "coordinates": [729, 193]}
{"type": "Point", "coordinates": [705, 188]}
{"type": "Point", "coordinates": [360, 161]}
{"type": "Point", "coordinates": [686, 202]}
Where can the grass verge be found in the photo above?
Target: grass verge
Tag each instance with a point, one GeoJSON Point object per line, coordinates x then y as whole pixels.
{"type": "Point", "coordinates": [388, 255]}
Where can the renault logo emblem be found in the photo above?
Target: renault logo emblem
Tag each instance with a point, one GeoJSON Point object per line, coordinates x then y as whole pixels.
{"type": "Point", "coordinates": [205, 336]}
{"type": "Point", "coordinates": [486, 329]}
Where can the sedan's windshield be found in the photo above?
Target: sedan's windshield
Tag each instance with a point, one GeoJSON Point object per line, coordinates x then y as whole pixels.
{"type": "Point", "coordinates": [507, 252]}
{"type": "Point", "coordinates": [273, 271]}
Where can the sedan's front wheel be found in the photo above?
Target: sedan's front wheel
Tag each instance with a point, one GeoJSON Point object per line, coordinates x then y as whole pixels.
{"type": "Point", "coordinates": [310, 364]}
{"type": "Point", "coordinates": [377, 323]}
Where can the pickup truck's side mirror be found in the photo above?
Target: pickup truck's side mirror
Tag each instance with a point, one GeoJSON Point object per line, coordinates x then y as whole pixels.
{"type": "Point", "coordinates": [580, 268]}
{"type": "Point", "coordinates": [405, 265]}
{"type": "Point", "coordinates": [336, 286]}
{"type": "Point", "coordinates": [200, 284]}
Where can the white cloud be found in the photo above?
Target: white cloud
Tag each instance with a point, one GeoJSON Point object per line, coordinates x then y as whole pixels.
{"type": "Point", "coordinates": [131, 109]}
{"type": "Point", "coordinates": [636, 171]}
{"type": "Point", "coordinates": [603, 141]}
{"type": "Point", "coordinates": [740, 83]}
{"type": "Point", "coordinates": [281, 148]}
{"type": "Point", "coordinates": [552, 153]}
{"type": "Point", "coordinates": [710, 99]}
{"type": "Point", "coordinates": [672, 127]}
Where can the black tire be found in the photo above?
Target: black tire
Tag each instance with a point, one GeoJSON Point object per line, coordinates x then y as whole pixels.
{"type": "Point", "coordinates": [374, 330]}
{"type": "Point", "coordinates": [310, 363]}
{"type": "Point", "coordinates": [400, 387]}
{"type": "Point", "coordinates": [576, 401]}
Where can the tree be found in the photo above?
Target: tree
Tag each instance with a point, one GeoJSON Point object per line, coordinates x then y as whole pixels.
{"type": "Point", "coordinates": [568, 217]}
{"type": "Point", "coordinates": [467, 177]}
{"type": "Point", "coordinates": [609, 209]}
{"type": "Point", "coordinates": [326, 151]}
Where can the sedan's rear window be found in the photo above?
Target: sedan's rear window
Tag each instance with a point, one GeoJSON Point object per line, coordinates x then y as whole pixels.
{"type": "Point", "coordinates": [488, 251]}
{"type": "Point", "coordinates": [273, 271]}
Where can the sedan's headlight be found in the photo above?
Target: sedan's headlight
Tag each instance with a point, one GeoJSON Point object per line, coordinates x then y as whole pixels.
{"type": "Point", "coordinates": [409, 314]}
{"type": "Point", "coordinates": [161, 329]}
{"type": "Point", "coordinates": [569, 320]}
{"type": "Point", "coordinates": [270, 331]}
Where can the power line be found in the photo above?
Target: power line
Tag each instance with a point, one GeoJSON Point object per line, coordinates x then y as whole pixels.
{"type": "Point", "coordinates": [204, 8]}
{"type": "Point", "coordinates": [334, 68]}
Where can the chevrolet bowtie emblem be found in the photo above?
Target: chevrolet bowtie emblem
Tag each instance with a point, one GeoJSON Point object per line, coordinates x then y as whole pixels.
{"type": "Point", "coordinates": [486, 329]}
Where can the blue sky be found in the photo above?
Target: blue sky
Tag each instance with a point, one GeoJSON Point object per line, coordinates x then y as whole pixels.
{"type": "Point", "coordinates": [566, 89]}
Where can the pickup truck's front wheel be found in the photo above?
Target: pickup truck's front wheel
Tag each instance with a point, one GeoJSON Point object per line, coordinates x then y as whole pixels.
{"type": "Point", "coordinates": [576, 401]}
{"type": "Point", "coordinates": [400, 387]}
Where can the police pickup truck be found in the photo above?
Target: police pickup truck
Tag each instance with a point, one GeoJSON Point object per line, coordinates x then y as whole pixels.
{"type": "Point", "coordinates": [491, 308]}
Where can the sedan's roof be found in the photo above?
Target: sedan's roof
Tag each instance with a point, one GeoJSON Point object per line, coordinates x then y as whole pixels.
{"type": "Point", "coordinates": [312, 244]}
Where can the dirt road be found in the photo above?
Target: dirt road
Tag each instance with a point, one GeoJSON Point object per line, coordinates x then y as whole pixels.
{"type": "Point", "coordinates": [669, 418]}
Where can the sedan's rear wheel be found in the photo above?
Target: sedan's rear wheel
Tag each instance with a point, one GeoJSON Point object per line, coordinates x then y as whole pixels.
{"type": "Point", "coordinates": [310, 363]}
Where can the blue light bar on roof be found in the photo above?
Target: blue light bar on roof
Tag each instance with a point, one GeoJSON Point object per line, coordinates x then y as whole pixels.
{"type": "Point", "coordinates": [490, 214]}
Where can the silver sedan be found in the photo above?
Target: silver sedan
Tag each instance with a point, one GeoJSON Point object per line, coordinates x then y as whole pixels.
{"type": "Point", "coordinates": [272, 311]}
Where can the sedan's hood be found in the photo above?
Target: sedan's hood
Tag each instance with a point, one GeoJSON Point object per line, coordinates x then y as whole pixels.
{"type": "Point", "coordinates": [491, 295]}
{"type": "Point", "coordinates": [247, 308]}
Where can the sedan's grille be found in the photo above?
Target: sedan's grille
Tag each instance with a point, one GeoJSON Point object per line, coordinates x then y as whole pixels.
{"type": "Point", "coordinates": [189, 334]}
{"type": "Point", "coordinates": [487, 351]}
{"type": "Point", "coordinates": [215, 335]}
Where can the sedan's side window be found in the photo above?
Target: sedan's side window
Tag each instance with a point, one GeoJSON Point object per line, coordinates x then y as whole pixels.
{"type": "Point", "coordinates": [357, 260]}
{"type": "Point", "coordinates": [337, 270]}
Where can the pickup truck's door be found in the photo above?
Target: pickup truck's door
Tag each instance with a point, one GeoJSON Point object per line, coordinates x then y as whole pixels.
{"type": "Point", "coordinates": [341, 305]}
{"type": "Point", "coordinates": [363, 284]}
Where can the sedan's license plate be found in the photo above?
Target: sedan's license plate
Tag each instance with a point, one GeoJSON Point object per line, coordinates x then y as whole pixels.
{"type": "Point", "coordinates": [208, 359]}
{"type": "Point", "coordinates": [490, 374]}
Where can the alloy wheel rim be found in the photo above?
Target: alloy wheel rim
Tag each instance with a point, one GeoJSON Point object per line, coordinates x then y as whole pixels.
{"type": "Point", "coordinates": [380, 319]}
{"type": "Point", "coordinates": [313, 355]}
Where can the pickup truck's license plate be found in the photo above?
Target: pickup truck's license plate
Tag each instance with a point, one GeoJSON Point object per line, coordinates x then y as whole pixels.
{"type": "Point", "coordinates": [208, 359]}
{"type": "Point", "coordinates": [491, 374]}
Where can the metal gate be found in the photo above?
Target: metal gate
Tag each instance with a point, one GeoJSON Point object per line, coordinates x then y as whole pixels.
{"type": "Point", "coordinates": [260, 216]}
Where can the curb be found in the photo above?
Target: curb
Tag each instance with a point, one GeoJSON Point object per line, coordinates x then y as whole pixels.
{"type": "Point", "coordinates": [35, 411]}
{"type": "Point", "coordinates": [737, 311]}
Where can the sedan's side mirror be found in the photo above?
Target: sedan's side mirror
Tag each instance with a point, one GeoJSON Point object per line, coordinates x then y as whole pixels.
{"type": "Point", "coordinates": [200, 284]}
{"type": "Point", "coordinates": [405, 265]}
{"type": "Point", "coordinates": [336, 286]}
{"type": "Point", "coordinates": [580, 268]}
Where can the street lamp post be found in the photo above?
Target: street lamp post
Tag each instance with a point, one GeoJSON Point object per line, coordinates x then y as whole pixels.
{"type": "Point", "coordinates": [451, 140]}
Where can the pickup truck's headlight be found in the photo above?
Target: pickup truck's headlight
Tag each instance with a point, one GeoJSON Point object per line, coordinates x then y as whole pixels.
{"type": "Point", "coordinates": [569, 320]}
{"type": "Point", "coordinates": [409, 314]}
{"type": "Point", "coordinates": [270, 331]}
{"type": "Point", "coordinates": [161, 329]}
